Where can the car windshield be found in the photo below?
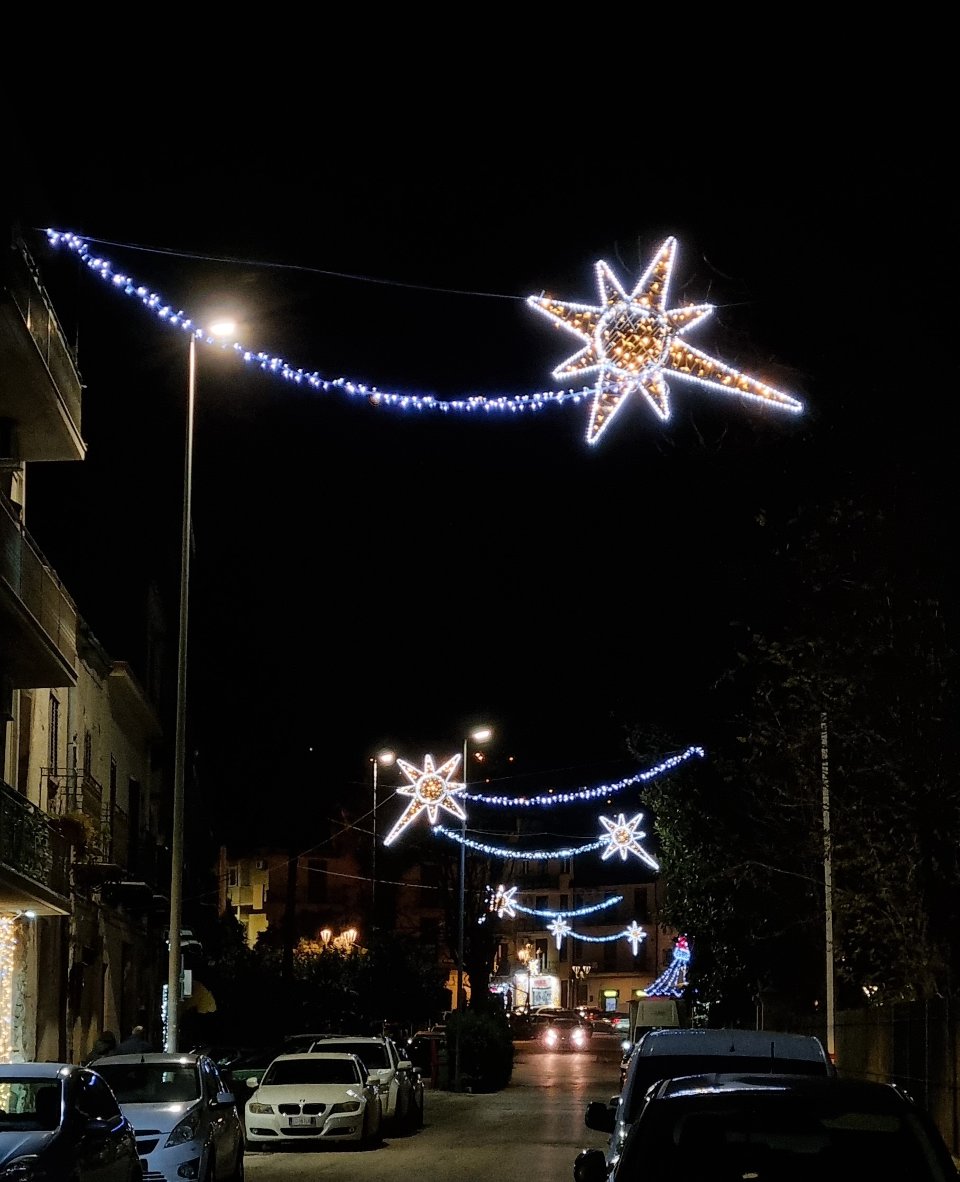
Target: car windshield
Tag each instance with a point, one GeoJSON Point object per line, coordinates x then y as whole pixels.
{"type": "Point", "coordinates": [29, 1105]}
{"type": "Point", "coordinates": [152, 1083]}
{"type": "Point", "coordinates": [313, 1070]}
{"type": "Point", "coordinates": [776, 1136]}
{"type": "Point", "coordinates": [372, 1055]}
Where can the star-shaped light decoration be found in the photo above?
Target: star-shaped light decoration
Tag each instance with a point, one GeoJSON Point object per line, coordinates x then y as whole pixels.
{"type": "Point", "coordinates": [559, 928]}
{"type": "Point", "coordinates": [431, 790]}
{"type": "Point", "coordinates": [633, 340]}
{"type": "Point", "coordinates": [636, 935]}
{"type": "Point", "coordinates": [503, 900]}
{"type": "Point", "coordinates": [623, 838]}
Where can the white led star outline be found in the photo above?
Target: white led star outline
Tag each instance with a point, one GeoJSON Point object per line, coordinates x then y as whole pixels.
{"type": "Point", "coordinates": [431, 789]}
{"type": "Point", "coordinates": [636, 935]}
{"type": "Point", "coordinates": [632, 340]}
{"type": "Point", "coordinates": [503, 902]}
{"type": "Point", "coordinates": [623, 838]}
{"type": "Point", "coordinates": [558, 929]}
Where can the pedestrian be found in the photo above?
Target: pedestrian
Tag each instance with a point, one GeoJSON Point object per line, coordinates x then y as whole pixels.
{"type": "Point", "coordinates": [105, 1044]}
{"type": "Point", "coordinates": [136, 1043]}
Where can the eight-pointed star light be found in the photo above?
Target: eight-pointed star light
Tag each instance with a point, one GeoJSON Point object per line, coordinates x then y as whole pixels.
{"type": "Point", "coordinates": [431, 789]}
{"type": "Point", "coordinates": [623, 838]}
{"type": "Point", "coordinates": [633, 340]}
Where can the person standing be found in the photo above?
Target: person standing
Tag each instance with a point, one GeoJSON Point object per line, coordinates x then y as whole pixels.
{"type": "Point", "coordinates": [106, 1044]}
{"type": "Point", "coordinates": [135, 1044]}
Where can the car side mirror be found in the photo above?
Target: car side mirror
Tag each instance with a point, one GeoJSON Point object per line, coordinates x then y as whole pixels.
{"type": "Point", "coordinates": [226, 1098]}
{"type": "Point", "coordinates": [99, 1127]}
{"type": "Point", "coordinates": [600, 1117]}
{"type": "Point", "coordinates": [252, 1082]}
{"type": "Point", "coordinates": [404, 1065]}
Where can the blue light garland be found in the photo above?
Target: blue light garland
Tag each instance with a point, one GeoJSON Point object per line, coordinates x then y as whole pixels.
{"type": "Point", "coordinates": [503, 900]}
{"type": "Point", "coordinates": [506, 852]}
{"type": "Point", "coordinates": [581, 794]}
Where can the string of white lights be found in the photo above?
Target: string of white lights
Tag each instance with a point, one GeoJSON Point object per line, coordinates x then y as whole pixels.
{"type": "Point", "coordinates": [503, 901]}
{"type": "Point", "coordinates": [507, 852]}
{"type": "Point", "coordinates": [553, 797]}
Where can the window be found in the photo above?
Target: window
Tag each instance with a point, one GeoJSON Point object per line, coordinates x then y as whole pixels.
{"type": "Point", "coordinates": [564, 903]}
{"type": "Point", "coordinates": [610, 954]}
{"type": "Point", "coordinates": [53, 733]}
{"type": "Point", "coordinates": [541, 902]}
{"type": "Point", "coordinates": [87, 753]}
{"type": "Point", "coordinates": [233, 876]}
{"type": "Point", "coordinates": [640, 908]}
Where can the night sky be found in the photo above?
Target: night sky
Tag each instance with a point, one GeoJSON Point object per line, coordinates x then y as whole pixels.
{"type": "Point", "coordinates": [367, 577]}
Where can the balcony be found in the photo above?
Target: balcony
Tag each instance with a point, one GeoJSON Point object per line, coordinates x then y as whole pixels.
{"type": "Point", "coordinates": [38, 619]}
{"type": "Point", "coordinates": [34, 858]}
{"type": "Point", "coordinates": [41, 393]}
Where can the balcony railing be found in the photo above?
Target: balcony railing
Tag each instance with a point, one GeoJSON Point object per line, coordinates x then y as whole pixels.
{"type": "Point", "coordinates": [35, 584]}
{"type": "Point", "coordinates": [29, 844]}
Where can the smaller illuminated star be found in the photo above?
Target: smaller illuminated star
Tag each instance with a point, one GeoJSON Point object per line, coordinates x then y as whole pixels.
{"type": "Point", "coordinates": [503, 901]}
{"type": "Point", "coordinates": [559, 928]}
{"type": "Point", "coordinates": [635, 934]}
{"type": "Point", "coordinates": [431, 789]}
{"type": "Point", "coordinates": [630, 341]}
{"type": "Point", "coordinates": [623, 838]}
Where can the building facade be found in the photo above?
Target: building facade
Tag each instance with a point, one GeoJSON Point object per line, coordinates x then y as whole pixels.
{"type": "Point", "coordinates": [80, 790]}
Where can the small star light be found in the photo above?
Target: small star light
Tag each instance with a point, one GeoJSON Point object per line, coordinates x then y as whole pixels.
{"type": "Point", "coordinates": [623, 838]}
{"type": "Point", "coordinates": [632, 340]}
{"type": "Point", "coordinates": [559, 928]}
{"type": "Point", "coordinates": [503, 902]}
{"type": "Point", "coordinates": [636, 935]}
{"type": "Point", "coordinates": [431, 790]}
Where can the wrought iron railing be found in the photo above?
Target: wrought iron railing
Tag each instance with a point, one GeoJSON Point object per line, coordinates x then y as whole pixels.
{"type": "Point", "coordinates": [30, 845]}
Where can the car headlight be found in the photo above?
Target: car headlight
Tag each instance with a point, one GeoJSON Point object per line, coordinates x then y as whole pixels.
{"type": "Point", "coordinates": [24, 1169]}
{"type": "Point", "coordinates": [579, 1036]}
{"type": "Point", "coordinates": [626, 1045]}
{"type": "Point", "coordinates": [550, 1037]}
{"type": "Point", "coordinates": [259, 1109]}
{"type": "Point", "coordinates": [346, 1106]}
{"type": "Point", "coordinates": [185, 1131]}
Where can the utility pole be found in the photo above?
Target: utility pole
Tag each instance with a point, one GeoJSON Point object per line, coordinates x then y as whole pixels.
{"type": "Point", "coordinates": [827, 884]}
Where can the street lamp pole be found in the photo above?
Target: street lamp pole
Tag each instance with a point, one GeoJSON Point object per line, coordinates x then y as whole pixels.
{"type": "Point", "coordinates": [478, 736]}
{"type": "Point", "coordinates": [172, 1032]}
{"type": "Point", "coordinates": [385, 757]}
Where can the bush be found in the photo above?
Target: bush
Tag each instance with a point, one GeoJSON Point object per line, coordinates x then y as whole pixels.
{"type": "Point", "coordinates": [486, 1050]}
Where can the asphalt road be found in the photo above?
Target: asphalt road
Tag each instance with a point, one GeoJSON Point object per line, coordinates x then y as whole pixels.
{"type": "Point", "coordinates": [532, 1129]}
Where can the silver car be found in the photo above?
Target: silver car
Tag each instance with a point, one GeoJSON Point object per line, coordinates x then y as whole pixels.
{"type": "Point", "coordinates": [184, 1116]}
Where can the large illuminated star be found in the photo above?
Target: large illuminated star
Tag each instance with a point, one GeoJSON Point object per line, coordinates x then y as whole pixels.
{"type": "Point", "coordinates": [623, 838]}
{"type": "Point", "coordinates": [431, 789]}
{"type": "Point", "coordinates": [633, 340]}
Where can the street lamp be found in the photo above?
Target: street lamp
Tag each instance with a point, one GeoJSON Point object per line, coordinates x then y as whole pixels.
{"type": "Point", "coordinates": [483, 735]}
{"type": "Point", "coordinates": [385, 758]}
{"type": "Point", "coordinates": [220, 328]}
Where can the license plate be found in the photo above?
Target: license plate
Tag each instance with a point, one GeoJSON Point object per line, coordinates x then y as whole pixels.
{"type": "Point", "coordinates": [300, 1122]}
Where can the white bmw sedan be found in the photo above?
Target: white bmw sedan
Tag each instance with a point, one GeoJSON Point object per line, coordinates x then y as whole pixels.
{"type": "Point", "coordinates": [313, 1097]}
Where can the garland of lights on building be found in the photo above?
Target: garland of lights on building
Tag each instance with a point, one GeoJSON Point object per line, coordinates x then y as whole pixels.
{"type": "Point", "coordinates": [629, 342]}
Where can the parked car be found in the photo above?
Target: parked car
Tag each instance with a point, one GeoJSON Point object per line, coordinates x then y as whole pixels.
{"type": "Point", "coordinates": [184, 1115]}
{"type": "Point", "coordinates": [424, 1049]}
{"type": "Point", "coordinates": [59, 1120]}
{"type": "Point", "coordinates": [671, 1051]}
{"type": "Point", "coordinates": [771, 1126]}
{"type": "Point", "coordinates": [566, 1034]}
{"type": "Point", "coordinates": [314, 1097]}
{"type": "Point", "coordinates": [401, 1084]}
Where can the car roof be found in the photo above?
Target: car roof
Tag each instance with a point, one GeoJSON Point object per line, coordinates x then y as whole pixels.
{"type": "Point", "coordinates": [168, 1058]}
{"type": "Point", "coordinates": [673, 1040]}
{"type": "Point", "coordinates": [856, 1091]}
{"type": "Point", "coordinates": [34, 1070]}
{"type": "Point", "coordinates": [372, 1038]}
{"type": "Point", "coordinates": [311, 1055]}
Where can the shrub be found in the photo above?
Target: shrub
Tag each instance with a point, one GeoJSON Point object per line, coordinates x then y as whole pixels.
{"type": "Point", "coordinates": [486, 1050]}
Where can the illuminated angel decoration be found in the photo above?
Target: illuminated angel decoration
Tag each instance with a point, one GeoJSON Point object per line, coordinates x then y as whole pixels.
{"type": "Point", "coordinates": [623, 838]}
{"type": "Point", "coordinates": [633, 340]}
{"type": "Point", "coordinates": [431, 789]}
